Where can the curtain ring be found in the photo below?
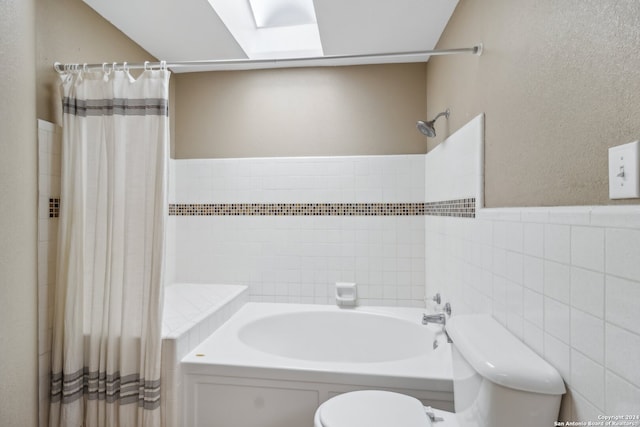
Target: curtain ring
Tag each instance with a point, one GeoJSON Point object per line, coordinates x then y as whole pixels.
{"type": "Point", "coordinates": [113, 66]}
{"type": "Point", "coordinates": [104, 67]}
{"type": "Point", "coordinates": [85, 67]}
{"type": "Point", "coordinates": [124, 66]}
{"type": "Point", "coordinates": [163, 65]}
{"type": "Point", "coordinates": [146, 64]}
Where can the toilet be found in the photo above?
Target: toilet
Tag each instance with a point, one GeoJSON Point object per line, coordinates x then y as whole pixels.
{"type": "Point", "coordinates": [497, 382]}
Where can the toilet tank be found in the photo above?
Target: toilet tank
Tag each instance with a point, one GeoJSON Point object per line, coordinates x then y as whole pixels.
{"type": "Point", "coordinates": [498, 381]}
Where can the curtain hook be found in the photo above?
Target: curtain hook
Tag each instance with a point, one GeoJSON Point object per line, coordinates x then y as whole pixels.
{"type": "Point", "coordinates": [124, 66]}
{"type": "Point", "coordinates": [104, 67]}
{"type": "Point", "coordinates": [146, 64]}
{"type": "Point", "coordinates": [163, 65]}
{"type": "Point", "coordinates": [113, 66]}
{"type": "Point", "coordinates": [85, 67]}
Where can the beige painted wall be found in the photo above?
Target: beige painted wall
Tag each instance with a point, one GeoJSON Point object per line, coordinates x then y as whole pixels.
{"type": "Point", "coordinates": [70, 31]}
{"type": "Point", "coordinates": [369, 109]}
{"type": "Point", "coordinates": [18, 216]}
{"type": "Point", "coordinates": [559, 82]}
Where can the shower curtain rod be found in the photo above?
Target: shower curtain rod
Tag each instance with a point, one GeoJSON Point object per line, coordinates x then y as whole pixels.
{"type": "Point", "coordinates": [176, 66]}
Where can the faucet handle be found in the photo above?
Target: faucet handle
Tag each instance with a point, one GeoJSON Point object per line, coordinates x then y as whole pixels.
{"type": "Point", "coordinates": [436, 298]}
{"type": "Point", "coordinates": [447, 309]}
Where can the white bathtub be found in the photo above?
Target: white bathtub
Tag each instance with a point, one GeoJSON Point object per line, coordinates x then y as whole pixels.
{"type": "Point", "coordinates": [271, 365]}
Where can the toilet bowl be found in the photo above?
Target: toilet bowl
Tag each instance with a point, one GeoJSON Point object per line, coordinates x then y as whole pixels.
{"type": "Point", "coordinates": [497, 380]}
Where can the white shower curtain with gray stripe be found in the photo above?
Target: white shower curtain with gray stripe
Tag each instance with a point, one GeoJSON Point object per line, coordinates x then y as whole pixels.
{"type": "Point", "coordinates": [109, 286]}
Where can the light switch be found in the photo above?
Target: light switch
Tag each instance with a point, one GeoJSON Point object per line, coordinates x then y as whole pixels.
{"type": "Point", "coordinates": [624, 181]}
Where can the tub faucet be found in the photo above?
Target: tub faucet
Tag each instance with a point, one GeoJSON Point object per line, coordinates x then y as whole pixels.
{"type": "Point", "coordinates": [439, 319]}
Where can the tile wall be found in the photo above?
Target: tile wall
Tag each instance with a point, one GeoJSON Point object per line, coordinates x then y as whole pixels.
{"type": "Point", "coordinates": [455, 168]}
{"type": "Point", "coordinates": [49, 142]}
{"type": "Point", "coordinates": [298, 258]}
{"type": "Point", "coordinates": [564, 280]}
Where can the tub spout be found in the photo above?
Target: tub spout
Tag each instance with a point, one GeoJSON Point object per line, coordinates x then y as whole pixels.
{"type": "Point", "coordinates": [439, 319]}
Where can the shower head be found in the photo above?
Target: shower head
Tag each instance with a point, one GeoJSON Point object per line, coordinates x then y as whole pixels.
{"type": "Point", "coordinates": [427, 128]}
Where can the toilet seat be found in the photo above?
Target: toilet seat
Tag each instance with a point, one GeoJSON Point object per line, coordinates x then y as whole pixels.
{"type": "Point", "coordinates": [372, 408]}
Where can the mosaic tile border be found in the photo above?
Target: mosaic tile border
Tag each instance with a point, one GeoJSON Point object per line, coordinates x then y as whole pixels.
{"type": "Point", "coordinates": [463, 208]}
{"type": "Point", "coordinates": [459, 208]}
{"type": "Point", "coordinates": [54, 208]}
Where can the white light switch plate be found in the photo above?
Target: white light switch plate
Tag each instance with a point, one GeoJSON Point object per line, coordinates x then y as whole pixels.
{"type": "Point", "coordinates": [624, 163]}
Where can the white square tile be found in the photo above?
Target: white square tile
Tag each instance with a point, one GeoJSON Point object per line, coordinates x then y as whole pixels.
{"type": "Point", "coordinates": [622, 397]}
{"type": "Point", "coordinates": [514, 267]}
{"type": "Point", "coordinates": [483, 232]}
{"type": "Point", "coordinates": [557, 320]}
{"type": "Point", "coordinates": [500, 290]}
{"type": "Point", "coordinates": [587, 291]}
{"type": "Point", "coordinates": [534, 239]}
{"type": "Point", "coordinates": [578, 215]}
{"type": "Point", "coordinates": [587, 377]}
{"type": "Point", "coordinates": [557, 243]}
{"type": "Point", "coordinates": [515, 324]}
{"type": "Point", "coordinates": [500, 234]}
{"type": "Point", "coordinates": [534, 308]}
{"type": "Point", "coordinates": [557, 281]}
{"type": "Point", "coordinates": [499, 262]}
{"type": "Point", "coordinates": [514, 236]}
{"type": "Point", "coordinates": [534, 337]}
{"type": "Point", "coordinates": [623, 353]}
{"type": "Point", "coordinates": [536, 215]}
{"type": "Point", "coordinates": [623, 253]}
{"type": "Point", "coordinates": [559, 355]}
{"type": "Point", "coordinates": [587, 335]}
{"type": "Point", "coordinates": [616, 216]}
{"type": "Point", "coordinates": [533, 273]}
{"type": "Point", "coordinates": [622, 308]}
{"type": "Point", "coordinates": [587, 247]}
{"type": "Point", "coordinates": [515, 299]}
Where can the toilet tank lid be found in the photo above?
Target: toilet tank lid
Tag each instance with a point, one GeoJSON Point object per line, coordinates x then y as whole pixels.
{"type": "Point", "coordinates": [499, 356]}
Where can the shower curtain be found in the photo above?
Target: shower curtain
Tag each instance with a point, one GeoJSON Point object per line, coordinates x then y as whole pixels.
{"type": "Point", "coordinates": [109, 287]}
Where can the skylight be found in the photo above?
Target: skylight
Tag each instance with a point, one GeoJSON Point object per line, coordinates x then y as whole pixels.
{"type": "Point", "coordinates": [282, 13]}
{"type": "Point", "coordinates": [271, 29]}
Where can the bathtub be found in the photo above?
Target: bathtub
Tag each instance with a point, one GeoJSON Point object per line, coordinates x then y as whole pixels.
{"type": "Point", "coordinates": [272, 365]}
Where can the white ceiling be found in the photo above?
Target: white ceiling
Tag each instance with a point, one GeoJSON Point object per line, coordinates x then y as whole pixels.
{"type": "Point", "coordinates": [191, 30]}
